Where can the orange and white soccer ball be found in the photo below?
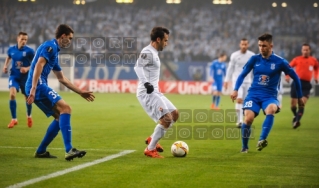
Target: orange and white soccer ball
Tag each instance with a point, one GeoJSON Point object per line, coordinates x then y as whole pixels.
{"type": "Point", "coordinates": [179, 149]}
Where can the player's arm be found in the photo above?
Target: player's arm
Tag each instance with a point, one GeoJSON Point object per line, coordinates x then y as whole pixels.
{"type": "Point", "coordinates": [145, 59]}
{"type": "Point", "coordinates": [35, 78]}
{"type": "Point", "coordinates": [211, 72]}
{"type": "Point", "coordinates": [247, 68]}
{"type": "Point", "coordinates": [316, 71]}
{"type": "Point", "coordinates": [30, 56]}
{"type": "Point", "coordinates": [230, 69]}
{"type": "Point", "coordinates": [6, 64]}
{"type": "Point", "coordinates": [293, 63]}
{"type": "Point", "coordinates": [291, 72]}
{"type": "Point", "coordinates": [88, 95]}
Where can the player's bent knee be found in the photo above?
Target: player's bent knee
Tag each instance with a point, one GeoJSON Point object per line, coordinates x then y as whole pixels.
{"type": "Point", "coordinates": [271, 109]}
{"type": "Point", "coordinates": [175, 115]}
{"type": "Point", "coordinates": [166, 120]}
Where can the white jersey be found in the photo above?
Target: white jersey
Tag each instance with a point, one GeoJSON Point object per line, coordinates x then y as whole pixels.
{"type": "Point", "coordinates": [237, 62]}
{"type": "Point", "coordinates": [147, 69]}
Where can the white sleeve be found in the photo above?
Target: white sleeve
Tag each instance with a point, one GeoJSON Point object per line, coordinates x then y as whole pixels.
{"type": "Point", "coordinates": [230, 69]}
{"type": "Point", "coordinates": [143, 60]}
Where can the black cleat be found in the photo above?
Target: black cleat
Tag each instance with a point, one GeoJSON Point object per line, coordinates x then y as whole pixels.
{"type": "Point", "coordinates": [296, 124]}
{"type": "Point", "coordinates": [244, 150]}
{"type": "Point", "coordinates": [44, 155]}
{"type": "Point", "coordinates": [238, 125]}
{"type": "Point", "coordinates": [73, 153]}
{"type": "Point", "coordinates": [262, 144]}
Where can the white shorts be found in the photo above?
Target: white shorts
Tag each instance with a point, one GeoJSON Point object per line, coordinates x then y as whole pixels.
{"type": "Point", "coordinates": [243, 91]}
{"type": "Point", "coordinates": [156, 105]}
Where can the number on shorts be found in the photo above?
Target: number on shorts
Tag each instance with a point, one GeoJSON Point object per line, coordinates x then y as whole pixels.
{"type": "Point", "coordinates": [248, 104]}
{"type": "Point", "coordinates": [10, 82]}
{"type": "Point", "coordinates": [53, 93]}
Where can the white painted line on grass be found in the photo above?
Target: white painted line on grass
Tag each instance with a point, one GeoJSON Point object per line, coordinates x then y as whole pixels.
{"type": "Point", "coordinates": [17, 147]}
{"type": "Point", "coordinates": [68, 170]}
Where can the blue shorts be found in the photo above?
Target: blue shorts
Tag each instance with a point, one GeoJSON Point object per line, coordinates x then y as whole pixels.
{"type": "Point", "coordinates": [18, 83]}
{"type": "Point", "coordinates": [256, 103]}
{"type": "Point", "coordinates": [217, 86]}
{"type": "Point", "coordinates": [45, 98]}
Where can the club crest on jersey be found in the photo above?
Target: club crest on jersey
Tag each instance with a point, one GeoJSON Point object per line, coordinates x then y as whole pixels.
{"type": "Point", "coordinates": [18, 64]}
{"type": "Point", "coordinates": [160, 109]}
{"type": "Point", "coordinates": [143, 56]}
{"type": "Point", "coordinates": [263, 80]}
{"type": "Point", "coordinates": [49, 49]}
{"type": "Point", "coordinates": [272, 66]}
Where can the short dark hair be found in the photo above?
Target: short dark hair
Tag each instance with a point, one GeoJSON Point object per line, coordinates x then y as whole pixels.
{"type": "Point", "coordinates": [222, 54]}
{"type": "Point", "coordinates": [266, 37]}
{"type": "Point", "coordinates": [244, 39]}
{"type": "Point", "coordinates": [22, 33]}
{"type": "Point", "coordinates": [158, 32]}
{"type": "Point", "coordinates": [63, 29]}
{"type": "Point", "coordinates": [306, 44]}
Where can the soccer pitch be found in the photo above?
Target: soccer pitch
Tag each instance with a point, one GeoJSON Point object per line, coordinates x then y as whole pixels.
{"type": "Point", "coordinates": [113, 128]}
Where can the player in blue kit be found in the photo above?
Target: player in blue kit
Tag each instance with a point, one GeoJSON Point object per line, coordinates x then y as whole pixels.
{"type": "Point", "coordinates": [267, 68]}
{"type": "Point", "coordinates": [217, 72]}
{"type": "Point", "coordinates": [21, 56]}
{"type": "Point", "coordinates": [49, 101]}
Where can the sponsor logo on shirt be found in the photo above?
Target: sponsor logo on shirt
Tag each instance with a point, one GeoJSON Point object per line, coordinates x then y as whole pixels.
{"type": "Point", "coordinates": [263, 80]}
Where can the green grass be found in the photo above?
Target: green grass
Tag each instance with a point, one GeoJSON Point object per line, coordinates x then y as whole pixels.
{"type": "Point", "coordinates": [116, 122]}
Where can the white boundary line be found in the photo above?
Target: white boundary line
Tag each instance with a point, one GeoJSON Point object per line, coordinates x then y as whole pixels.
{"type": "Point", "coordinates": [17, 147]}
{"type": "Point", "coordinates": [68, 170]}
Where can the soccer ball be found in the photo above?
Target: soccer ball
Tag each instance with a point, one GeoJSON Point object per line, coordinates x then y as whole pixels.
{"type": "Point", "coordinates": [179, 149]}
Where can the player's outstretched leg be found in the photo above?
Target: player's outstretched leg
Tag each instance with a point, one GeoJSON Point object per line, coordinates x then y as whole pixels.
{"type": "Point", "coordinates": [267, 125]}
{"type": "Point", "coordinates": [245, 133]}
{"type": "Point", "coordinates": [151, 150]}
{"type": "Point", "coordinates": [13, 107]}
{"type": "Point", "coordinates": [51, 133]}
{"type": "Point", "coordinates": [66, 130]}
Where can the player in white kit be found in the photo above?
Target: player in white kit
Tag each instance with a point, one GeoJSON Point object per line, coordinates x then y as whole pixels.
{"type": "Point", "coordinates": [155, 104]}
{"type": "Point", "coordinates": [237, 61]}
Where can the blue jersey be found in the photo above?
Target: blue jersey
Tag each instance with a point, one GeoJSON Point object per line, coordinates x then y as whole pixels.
{"type": "Point", "coordinates": [217, 70]}
{"type": "Point", "coordinates": [50, 51]}
{"type": "Point", "coordinates": [20, 58]}
{"type": "Point", "coordinates": [266, 75]}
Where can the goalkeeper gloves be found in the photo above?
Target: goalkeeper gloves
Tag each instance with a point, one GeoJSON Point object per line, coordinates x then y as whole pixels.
{"type": "Point", "coordinates": [149, 88]}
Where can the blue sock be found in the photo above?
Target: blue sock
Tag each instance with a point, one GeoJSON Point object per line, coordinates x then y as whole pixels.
{"type": "Point", "coordinates": [245, 134]}
{"type": "Point", "coordinates": [13, 109]}
{"type": "Point", "coordinates": [65, 126]}
{"type": "Point", "coordinates": [29, 108]}
{"type": "Point", "coordinates": [217, 101]}
{"type": "Point", "coordinates": [214, 99]}
{"type": "Point", "coordinates": [52, 131]}
{"type": "Point", "coordinates": [269, 121]}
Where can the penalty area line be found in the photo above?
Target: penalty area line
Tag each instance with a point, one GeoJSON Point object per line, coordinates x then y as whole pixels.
{"type": "Point", "coordinates": [68, 170]}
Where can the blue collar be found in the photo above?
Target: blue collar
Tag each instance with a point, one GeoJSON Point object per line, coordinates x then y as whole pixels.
{"type": "Point", "coordinates": [22, 48]}
{"type": "Point", "coordinates": [57, 44]}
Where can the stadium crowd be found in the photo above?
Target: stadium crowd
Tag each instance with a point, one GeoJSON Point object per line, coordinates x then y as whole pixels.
{"type": "Point", "coordinates": [197, 33]}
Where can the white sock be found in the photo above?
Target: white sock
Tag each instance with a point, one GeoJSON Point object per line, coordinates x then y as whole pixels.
{"type": "Point", "coordinates": [239, 109]}
{"type": "Point", "coordinates": [159, 132]}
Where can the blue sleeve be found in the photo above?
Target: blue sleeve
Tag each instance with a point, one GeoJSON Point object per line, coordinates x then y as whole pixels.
{"type": "Point", "coordinates": [8, 52]}
{"type": "Point", "coordinates": [224, 70]}
{"type": "Point", "coordinates": [57, 67]}
{"type": "Point", "coordinates": [30, 56]}
{"type": "Point", "coordinates": [211, 72]}
{"type": "Point", "coordinates": [247, 68]}
{"type": "Point", "coordinates": [288, 70]}
{"type": "Point", "coordinates": [47, 52]}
